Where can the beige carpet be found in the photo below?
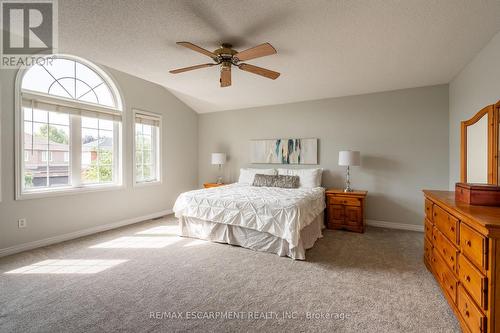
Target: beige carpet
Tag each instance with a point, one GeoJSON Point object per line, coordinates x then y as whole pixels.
{"type": "Point", "coordinates": [114, 281]}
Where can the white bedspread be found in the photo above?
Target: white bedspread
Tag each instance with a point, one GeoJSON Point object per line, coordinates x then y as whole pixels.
{"type": "Point", "coordinates": [278, 211]}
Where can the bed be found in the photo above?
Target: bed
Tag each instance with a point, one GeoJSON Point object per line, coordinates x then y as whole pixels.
{"type": "Point", "coordinates": [271, 219]}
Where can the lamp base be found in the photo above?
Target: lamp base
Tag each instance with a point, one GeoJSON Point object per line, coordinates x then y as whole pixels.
{"type": "Point", "coordinates": [219, 181]}
{"type": "Point", "coordinates": [348, 189]}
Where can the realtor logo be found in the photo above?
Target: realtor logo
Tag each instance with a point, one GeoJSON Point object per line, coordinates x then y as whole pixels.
{"type": "Point", "coordinates": [29, 31]}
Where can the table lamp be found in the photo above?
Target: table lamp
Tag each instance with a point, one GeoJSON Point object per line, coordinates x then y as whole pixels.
{"type": "Point", "coordinates": [219, 159]}
{"type": "Point", "coordinates": [349, 158]}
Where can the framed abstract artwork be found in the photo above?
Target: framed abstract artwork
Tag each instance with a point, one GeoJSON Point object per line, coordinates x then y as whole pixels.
{"type": "Point", "coordinates": [284, 151]}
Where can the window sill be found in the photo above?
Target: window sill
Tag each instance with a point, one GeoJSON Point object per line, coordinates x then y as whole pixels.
{"type": "Point", "coordinates": [145, 184]}
{"type": "Point", "coordinates": [67, 191]}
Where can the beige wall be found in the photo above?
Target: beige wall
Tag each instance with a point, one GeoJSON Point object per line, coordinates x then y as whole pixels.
{"type": "Point", "coordinates": [55, 216]}
{"type": "Point", "coordinates": [477, 85]}
{"type": "Point", "coordinates": [402, 136]}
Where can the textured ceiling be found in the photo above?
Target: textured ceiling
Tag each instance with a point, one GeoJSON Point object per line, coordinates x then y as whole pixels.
{"type": "Point", "coordinates": [326, 48]}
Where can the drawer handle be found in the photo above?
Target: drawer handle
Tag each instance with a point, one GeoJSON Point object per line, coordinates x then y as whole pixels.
{"type": "Point", "coordinates": [451, 286]}
{"type": "Point", "coordinates": [467, 278]}
{"type": "Point", "coordinates": [468, 242]}
{"type": "Point", "coordinates": [452, 229]}
{"type": "Point", "coordinates": [467, 313]}
{"type": "Point", "coordinates": [451, 258]}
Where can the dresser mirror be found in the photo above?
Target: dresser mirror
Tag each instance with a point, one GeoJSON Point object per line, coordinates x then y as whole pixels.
{"type": "Point", "coordinates": [479, 147]}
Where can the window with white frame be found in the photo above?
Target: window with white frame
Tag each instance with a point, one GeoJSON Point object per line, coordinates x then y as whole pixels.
{"type": "Point", "coordinates": [147, 147]}
{"type": "Point", "coordinates": [69, 127]}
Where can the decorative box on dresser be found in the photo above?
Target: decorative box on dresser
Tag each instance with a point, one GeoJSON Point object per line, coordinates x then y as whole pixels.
{"type": "Point", "coordinates": [462, 250]}
{"type": "Point", "coordinates": [345, 210]}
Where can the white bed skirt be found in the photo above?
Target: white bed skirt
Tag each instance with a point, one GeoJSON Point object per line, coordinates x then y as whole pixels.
{"type": "Point", "coordinates": [252, 239]}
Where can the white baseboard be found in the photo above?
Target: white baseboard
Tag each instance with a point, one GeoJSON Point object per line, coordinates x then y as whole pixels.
{"type": "Point", "coordinates": [77, 234]}
{"type": "Point", "coordinates": [395, 225]}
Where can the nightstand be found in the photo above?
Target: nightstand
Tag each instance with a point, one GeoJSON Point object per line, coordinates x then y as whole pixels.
{"type": "Point", "coordinates": [209, 185]}
{"type": "Point", "coordinates": [345, 210]}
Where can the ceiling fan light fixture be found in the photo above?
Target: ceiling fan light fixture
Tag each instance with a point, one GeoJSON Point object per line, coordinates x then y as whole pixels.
{"type": "Point", "coordinates": [226, 56]}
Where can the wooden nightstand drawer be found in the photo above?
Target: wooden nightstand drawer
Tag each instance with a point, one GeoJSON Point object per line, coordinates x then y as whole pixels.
{"type": "Point", "coordinates": [343, 201]}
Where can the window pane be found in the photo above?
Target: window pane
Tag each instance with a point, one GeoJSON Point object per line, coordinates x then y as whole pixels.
{"type": "Point", "coordinates": [147, 172]}
{"type": "Point", "coordinates": [104, 95]}
{"type": "Point", "coordinates": [89, 138]}
{"type": "Point", "coordinates": [59, 137]}
{"type": "Point", "coordinates": [138, 173]}
{"type": "Point", "coordinates": [61, 68]}
{"type": "Point", "coordinates": [90, 122]}
{"type": "Point", "coordinates": [58, 90]}
{"type": "Point", "coordinates": [138, 142]}
{"type": "Point", "coordinates": [146, 156]}
{"type": "Point", "coordinates": [37, 79]}
{"type": "Point", "coordinates": [146, 129]}
{"type": "Point", "coordinates": [89, 173]}
{"type": "Point", "coordinates": [40, 115]}
{"type": "Point", "coordinates": [59, 174]}
{"type": "Point", "coordinates": [105, 124]}
{"type": "Point", "coordinates": [105, 173]}
{"type": "Point", "coordinates": [105, 156]}
{"type": "Point", "coordinates": [146, 142]}
{"type": "Point", "coordinates": [138, 157]}
{"type": "Point", "coordinates": [35, 175]}
{"type": "Point", "coordinates": [87, 94]}
{"type": "Point", "coordinates": [58, 118]}
{"type": "Point", "coordinates": [88, 76]}
{"type": "Point", "coordinates": [27, 114]}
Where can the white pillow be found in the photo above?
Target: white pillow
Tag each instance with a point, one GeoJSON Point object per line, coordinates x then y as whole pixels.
{"type": "Point", "coordinates": [247, 175]}
{"type": "Point", "coordinates": [309, 178]}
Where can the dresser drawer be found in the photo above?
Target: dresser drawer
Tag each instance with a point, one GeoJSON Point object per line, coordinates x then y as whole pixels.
{"type": "Point", "coordinates": [446, 223]}
{"type": "Point", "coordinates": [474, 318]}
{"type": "Point", "coordinates": [448, 280]}
{"type": "Point", "coordinates": [428, 209]}
{"type": "Point", "coordinates": [446, 250]}
{"type": "Point", "coordinates": [428, 229]}
{"type": "Point", "coordinates": [474, 246]}
{"type": "Point", "coordinates": [428, 251]}
{"type": "Point", "coordinates": [343, 201]}
{"type": "Point", "coordinates": [473, 280]}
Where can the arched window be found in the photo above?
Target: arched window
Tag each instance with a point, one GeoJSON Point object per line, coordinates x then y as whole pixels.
{"type": "Point", "coordinates": [69, 121]}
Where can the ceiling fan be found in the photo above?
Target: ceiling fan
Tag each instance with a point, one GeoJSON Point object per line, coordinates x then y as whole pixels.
{"type": "Point", "coordinates": [226, 57]}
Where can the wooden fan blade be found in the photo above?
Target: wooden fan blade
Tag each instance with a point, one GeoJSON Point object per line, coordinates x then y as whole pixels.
{"type": "Point", "coordinates": [258, 51]}
{"type": "Point", "coordinates": [198, 49]}
{"type": "Point", "coordinates": [185, 69]}
{"type": "Point", "coordinates": [225, 76]}
{"type": "Point", "coordinates": [259, 71]}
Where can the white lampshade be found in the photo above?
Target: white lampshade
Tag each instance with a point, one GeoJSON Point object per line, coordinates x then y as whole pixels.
{"type": "Point", "coordinates": [218, 158]}
{"type": "Point", "coordinates": [349, 158]}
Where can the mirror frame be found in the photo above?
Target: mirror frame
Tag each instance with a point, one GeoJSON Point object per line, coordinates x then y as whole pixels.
{"type": "Point", "coordinates": [491, 111]}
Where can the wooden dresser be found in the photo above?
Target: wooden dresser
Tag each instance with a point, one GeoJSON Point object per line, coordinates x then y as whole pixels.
{"type": "Point", "coordinates": [462, 250]}
{"type": "Point", "coordinates": [345, 210]}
